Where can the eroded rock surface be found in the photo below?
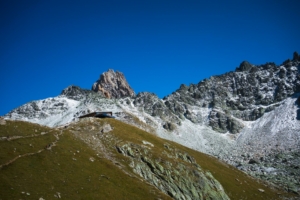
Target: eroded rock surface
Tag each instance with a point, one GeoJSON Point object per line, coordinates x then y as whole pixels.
{"type": "Point", "coordinates": [247, 94]}
{"type": "Point", "coordinates": [183, 179]}
{"type": "Point", "coordinates": [77, 93]}
{"type": "Point", "coordinates": [113, 85]}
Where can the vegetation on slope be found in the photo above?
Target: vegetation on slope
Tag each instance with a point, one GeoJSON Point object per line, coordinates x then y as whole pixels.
{"type": "Point", "coordinates": [69, 170]}
{"type": "Point", "coordinates": [82, 161]}
{"type": "Point", "coordinates": [236, 184]}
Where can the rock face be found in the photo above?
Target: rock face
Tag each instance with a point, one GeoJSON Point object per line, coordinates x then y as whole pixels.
{"type": "Point", "coordinates": [151, 104]}
{"type": "Point", "coordinates": [222, 123]}
{"type": "Point", "coordinates": [183, 179]}
{"type": "Point", "coordinates": [77, 93]}
{"type": "Point", "coordinates": [246, 94]}
{"type": "Point", "coordinates": [113, 85]}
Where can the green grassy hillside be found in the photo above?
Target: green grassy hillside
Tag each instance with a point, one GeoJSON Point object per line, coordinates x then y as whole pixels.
{"type": "Point", "coordinates": [70, 169]}
{"type": "Point", "coordinates": [83, 161]}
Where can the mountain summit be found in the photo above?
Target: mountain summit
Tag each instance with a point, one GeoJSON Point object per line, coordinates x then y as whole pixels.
{"type": "Point", "coordinates": [113, 85]}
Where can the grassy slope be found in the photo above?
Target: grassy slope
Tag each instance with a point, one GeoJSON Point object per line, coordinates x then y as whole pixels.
{"type": "Point", "coordinates": [52, 171]}
{"type": "Point", "coordinates": [67, 168]}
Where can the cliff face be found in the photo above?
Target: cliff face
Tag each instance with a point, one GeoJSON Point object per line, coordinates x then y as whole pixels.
{"type": "Point", "coordinates": [113, 85]}
{"type": "Point", "coordinates": [246, 94]}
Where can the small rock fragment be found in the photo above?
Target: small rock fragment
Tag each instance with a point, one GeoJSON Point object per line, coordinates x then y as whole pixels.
{"type": "Point", "coordinates": [92, 159]}
{"type": "Point", "coordinates": [57, 195]}
{"type": "Point", "coordinates": [148, 143]}
{"type": "Point", "coordinates": [106, 128]}
{"type": "Point", "coordinates": [253, 161]}
{"type": "Point", "coordinates": [261, 190]}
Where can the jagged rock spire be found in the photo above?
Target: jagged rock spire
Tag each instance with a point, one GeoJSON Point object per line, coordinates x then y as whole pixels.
{"type": "Point", "coordinates": [113, 85]}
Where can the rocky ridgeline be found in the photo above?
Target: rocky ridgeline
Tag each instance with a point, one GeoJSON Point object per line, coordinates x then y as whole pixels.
{"type": "Point", "coordinates": [77, 93]}
{"type": "Point", "coordinates": [113, 85]}
{"type": "Point", "coordinates": [220, 102]}
{"type": "Point", "coordinates": [151, 104]}
{"type": "Point", "coordinates": [43, 109]}
{"type": "Point", "coordinates": [246, 94]}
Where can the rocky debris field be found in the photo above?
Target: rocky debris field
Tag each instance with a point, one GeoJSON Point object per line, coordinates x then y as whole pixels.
{"type": "Point", "coordinates": [281, 169]}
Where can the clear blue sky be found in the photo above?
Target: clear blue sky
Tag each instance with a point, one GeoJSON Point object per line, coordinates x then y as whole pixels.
{"type": "Point", "coordinates": [157, 44]}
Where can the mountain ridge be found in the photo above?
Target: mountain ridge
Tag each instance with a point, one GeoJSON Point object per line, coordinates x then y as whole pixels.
{"type": "Point", "coordinates": [217, 116]}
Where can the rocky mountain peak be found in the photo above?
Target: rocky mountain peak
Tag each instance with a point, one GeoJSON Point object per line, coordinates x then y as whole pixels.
{"type": "Point", "coordinates": [244, 66]}
{"type": "Point", "coordinates": [113, 84]}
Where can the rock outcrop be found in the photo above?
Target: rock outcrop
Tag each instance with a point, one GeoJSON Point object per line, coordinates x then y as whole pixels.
{"type": "Point", "coordinates": [77, 93]}
{"type": "Point", "coordinates": [113, 85]}
{"type": "Point", "coordinates": [246, 94]}
{"type": "Point", "coordinates": [222, 123]}
{"type": "Point", "coordinates": [182, 179]}
{"type": "Point", "coordinates": [163, 165]}
{"type": "Point", "coordinates": [151, 104]}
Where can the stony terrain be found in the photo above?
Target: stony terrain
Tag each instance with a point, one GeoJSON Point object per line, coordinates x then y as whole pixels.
{"type": "Point", "coordinates": [246, 117]}
{"type": "Point", "coordinates": [245, 94]}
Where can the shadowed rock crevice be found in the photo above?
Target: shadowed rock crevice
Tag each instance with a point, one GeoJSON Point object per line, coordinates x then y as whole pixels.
{"type": "Point", "coordinates": [298, 111]}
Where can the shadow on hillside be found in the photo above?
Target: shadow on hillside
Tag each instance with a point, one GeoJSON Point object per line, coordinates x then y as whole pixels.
{"type": "Point", "coordinates": [298, 104]}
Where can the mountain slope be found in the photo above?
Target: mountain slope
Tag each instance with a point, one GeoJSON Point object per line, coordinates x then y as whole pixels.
{"type": "Point", "coordinates": [251, 114]}
{"type": "Point", "coordinates": [106, 159]}
{"type": "Point", "coordinates": [68, 170]}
